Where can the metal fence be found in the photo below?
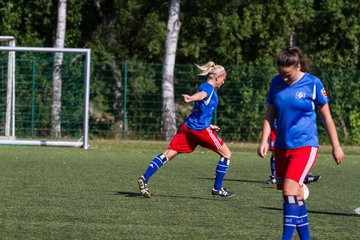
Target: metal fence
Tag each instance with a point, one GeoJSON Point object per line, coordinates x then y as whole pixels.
{"type": "Point", "coordinates": [126, 99]}
{"type": "Point", "coordinates": [241, 100]}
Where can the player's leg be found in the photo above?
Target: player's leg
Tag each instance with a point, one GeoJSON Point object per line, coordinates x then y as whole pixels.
{"type": "Point", "coordinates": [289, 192]}
{"type": "Point", "coordinates": [272, 164]}
{"type": "Point", "coordinates": [272, 139]}
{"type": "Point", "coordinates": [158, 162]}
{"type": "Point", "coordinates": [272, 179]}
{"type": "Point", "coordinates": [179, 144]}
{"type": "Point", "coordinates": [302, 225]}
{"type": "Point", "coordinates": [300, 163]}
{"type": "Point", "coordinates": [291, 208]}
{"type": "Point", "coordinates": [209, 139]}
{"type": "Point", "coordinates": [153, 167]}
{"type": "Point", "coordinates": [220, 172]}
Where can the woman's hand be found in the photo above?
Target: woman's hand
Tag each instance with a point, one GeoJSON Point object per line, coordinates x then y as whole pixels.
{"type": "Point", "coordinates": [196, 97]}
{"type": "Point", "coordinates": [214, 128]}
{"type": "Point", "coordinates": [329, 125]}
{"type": "Point", "coordinates": [338, 154]}
{"type": "Point", "coordinates": [263, 148]}
{"type": "Point", "coordinates": [186, 97]}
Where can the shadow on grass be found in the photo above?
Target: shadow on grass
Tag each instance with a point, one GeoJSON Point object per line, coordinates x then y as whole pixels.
{"type": "Point", "coordinates": [189, 197]}
{"type": "Point", "coordinates": [128, 194]}
{"type": "Point", "coordinates": [135, 194]}
{"type": "Point", "coordinates": [235, 180]}
{"type": "Point", "coordinates": [317, 212]}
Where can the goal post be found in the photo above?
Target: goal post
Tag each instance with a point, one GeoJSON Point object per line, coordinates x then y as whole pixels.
{"type": "Point", "coordinates": [10, 100]}
{"type": "Point", "coordinates": [83, 105]}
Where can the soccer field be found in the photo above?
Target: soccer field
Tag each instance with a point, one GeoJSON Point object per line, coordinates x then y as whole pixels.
{"type": "Point", "coordinates": [70, 193]}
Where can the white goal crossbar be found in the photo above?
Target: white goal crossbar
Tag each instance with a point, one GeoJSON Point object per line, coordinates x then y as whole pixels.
{"type": "Point", "coordinates": [84, 141]}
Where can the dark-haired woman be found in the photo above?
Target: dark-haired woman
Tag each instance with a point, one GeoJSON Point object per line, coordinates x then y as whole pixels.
{"type": "Point", "coordinates": [293, 99]}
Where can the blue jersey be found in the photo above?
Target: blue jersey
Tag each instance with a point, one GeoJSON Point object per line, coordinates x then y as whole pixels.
{"type": "Point", "coordinates": [203, 110]}
{"type": "Point", "coordinates": [274, 125]}
{"type": "Point", "coordinates": [295, 111]}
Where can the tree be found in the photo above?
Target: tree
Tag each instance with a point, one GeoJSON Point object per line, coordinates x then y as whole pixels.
{"type": "Point", "coordinates": [244, 36]}
{"type": "Point", "coordinates": [109, 19]}
{"type": "Point", "coordinates": [173, 28]}
{"type": "Point", "coordinates": [57, 81]}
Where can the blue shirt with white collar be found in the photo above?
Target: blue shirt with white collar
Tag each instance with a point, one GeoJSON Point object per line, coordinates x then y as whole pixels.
{"type": "Point", "coordinates": [203, 110]}
{"type": "Point", "coordinates": [295, 110]}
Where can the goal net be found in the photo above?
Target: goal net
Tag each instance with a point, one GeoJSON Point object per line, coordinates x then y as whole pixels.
{"type": "Point", "coordinates": [27, 96]}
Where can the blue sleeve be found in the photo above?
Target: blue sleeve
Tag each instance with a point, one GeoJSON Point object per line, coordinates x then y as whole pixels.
{"type": "Point", "coordinates": [206, 87]}
{"type": "Point", "coordinates": [269, 98]}
{"type": "Point", "coordinates": [321, 97]}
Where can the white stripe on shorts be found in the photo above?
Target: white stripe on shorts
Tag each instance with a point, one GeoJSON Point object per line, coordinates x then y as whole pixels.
{"type": "Point", "coordinates": [215, 140]}
{"type": "Point", "coordinates": [310, 162]}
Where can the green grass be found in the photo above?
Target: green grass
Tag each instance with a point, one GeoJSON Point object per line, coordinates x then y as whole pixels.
{"type": "Point", "coordinates": [69, 193]}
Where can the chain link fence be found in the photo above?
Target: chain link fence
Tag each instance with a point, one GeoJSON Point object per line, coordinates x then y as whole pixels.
{"type": "Point", "coordinates": [241, 101]}
{"type": "Point", "coordinates": [126, 99]}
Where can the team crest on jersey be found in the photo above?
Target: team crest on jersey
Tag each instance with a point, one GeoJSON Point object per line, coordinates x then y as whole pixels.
{"type": "Point", "coordinates": [323, 91]}
{"type": "Point", "coordinates": [300, 95]}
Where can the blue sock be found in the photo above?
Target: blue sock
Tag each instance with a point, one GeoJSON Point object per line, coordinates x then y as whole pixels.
{"type": "Point", "coordinates": [291, 213]}
{"type": "Point", "coordinates": [155, 165]}
{"type": "Point", "coordinates": [272, 164]}
{"type": "Point", "coordinates": [302, 224]}
{"type": "Point", "coordinates": [221, 170]}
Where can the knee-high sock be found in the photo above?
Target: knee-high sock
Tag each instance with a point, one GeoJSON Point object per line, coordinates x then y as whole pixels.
{"type": "Point", "coordinates": [291, 213]}
{"type": "Point", "coordinates": [272, 164]}
{"type": "Point", "coordinates": [220, 173]}
{"type": "Point", "coordinates": [155, 165]}
{"type": "Point", "coordinates": [302, 224]}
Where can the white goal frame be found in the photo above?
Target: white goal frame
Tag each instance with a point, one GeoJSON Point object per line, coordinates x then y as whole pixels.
{"type": "Point", "coordinates": [10, 92]}
{"type": "Point", "coordinates": [84, 141]}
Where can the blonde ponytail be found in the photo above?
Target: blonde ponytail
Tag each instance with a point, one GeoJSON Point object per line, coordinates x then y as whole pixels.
{"type": "Point", "coordinates": [211, 69]}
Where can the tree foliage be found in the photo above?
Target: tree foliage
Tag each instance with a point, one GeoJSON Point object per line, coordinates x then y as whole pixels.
{"type": "Point", "coordinates": [233, 32]}
{"type": "Point", "coordinates": [244, 35]}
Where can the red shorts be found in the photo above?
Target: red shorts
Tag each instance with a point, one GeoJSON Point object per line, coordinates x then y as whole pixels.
{"type": "Point", "coordinates": [186, 140]}
{"type": "Point", "coordinates": [272, 139]}
{"type": "Point", "coordinates": [294, 164]}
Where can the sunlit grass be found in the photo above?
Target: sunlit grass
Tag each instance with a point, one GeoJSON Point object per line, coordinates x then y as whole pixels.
{"type": "Point", "coordinates": [70, 193]}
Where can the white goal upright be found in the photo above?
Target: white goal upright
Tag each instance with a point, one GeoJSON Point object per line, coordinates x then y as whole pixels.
{"type": "Point", "coordinates": [26, 95]}
{"type": "Point", "coordinates": [9, 118]}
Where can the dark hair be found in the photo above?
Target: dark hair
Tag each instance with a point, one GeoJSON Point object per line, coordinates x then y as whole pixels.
{"type": "Point", "coordinates": [292, 56]}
